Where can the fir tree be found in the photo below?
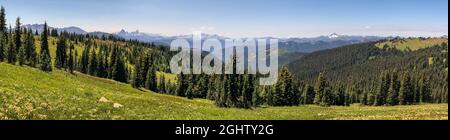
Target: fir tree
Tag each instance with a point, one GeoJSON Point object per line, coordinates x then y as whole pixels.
{"type": "Point", "coordinates": [151, 80]}
{"type": "Point", "coordinates": [3, 27]}
{"type": "Point", "coordinates": [182, 85]}
{"type": "Point", "coordinates": [424, 90]}
{"type": "Point", "coordinates": [406, 90]}
{"type": "Point", "coordinates": [3, 34]}
{"type": "Point", "coordinates": [84, 62]}
{"type": "Point", "coordinates": [119, 72]}
{"type": "Point", "coordinates": [22, 56]}
{"type": "Point", "coordinates": [30, 50]}
{"type": "Point", "coordinates": [93, 63]}
{"type": "Point", "coordinates": [61, 53]}
{"type": "Point", "coordinates": [308, 95]}
{"type": "Point", "coordinates": [383, 89]}
{"type": "Point", "coordinates": [11, 52]}
{"type": "Point", "coordinates": [137, 78]}
{"type": "Point", "coordinates": [18, 35]}
{"type": "Point", "coordinates": [394, 88]}
{"type": "Point", "coordinates": [70, 60]}
{"type": "Point", "coordinates": [2, 46]}
{"type": "Point", "coordinates": [247, 91]}
{"type": "Point", "coordinates": [45, 59]}
{"type": "Point", "coordinates": [319, 90]}
{"type": "Point", "coordinates": [162, 84]}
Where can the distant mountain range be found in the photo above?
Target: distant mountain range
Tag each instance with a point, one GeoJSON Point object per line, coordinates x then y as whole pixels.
{"type": "Point", "coordinates": [305, 45]}
{"type": "Point", "coordinates": [289, 48]}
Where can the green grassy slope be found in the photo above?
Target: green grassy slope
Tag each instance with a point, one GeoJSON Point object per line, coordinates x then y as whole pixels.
{"type": "Point", "coordinates": [27, 93]}
{"type": "Point", "coordinates": [412, 44]}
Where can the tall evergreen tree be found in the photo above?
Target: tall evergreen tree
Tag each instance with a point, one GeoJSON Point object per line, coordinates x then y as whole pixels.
{"type": "Point", "coordinates": [22, 56]}
{"type": "Point", "coordinates": [394, 88]}
{"type": "Point", "coordinates": [212, 91]}
{"type": "Point", "coordinates": [383, 89]}
{"type": "Point", "coordinates": [308, 95]}
{"type": "Point", "coordinates": [2, 46]}
{"type": "Point", "coordinates": [70, 60]}
{"type": "Point", "coordinates": [93, 63]}
{"type": "Point", "coordinates": [321, 85]}
{"type": "Point", "coordinates": [406, 90]}
{"type": "Point", "coordinates": [102, 64]}
{"type": "Point", "coordinates": [11, 54]}
{"type": "Point", "coordinates": [3, 34]}
{"type": "Point", "coordinates": [30, 50]}
{"type": "Point", "coordinates": [61, 53]}
{"type": "Point", "coordinates": [3, 28]}
{"type": "Point", "coordinates": [181, 85]}
{"type": "Point", "coordinates": [18, 35]}
{"type": "Point", "coordinates": [137, 78]}
{"type": "Point", "coordinates": [247, 91]}
{"type": "Point", "coordinates": [424, 90]}
{"type": "Point", "coordinates": [222, 89]}
{"type": "Point", "coordinates": [119, 72]}
{"type": "Point", "coordinates": [45, 59]}
{"type": "Point", "coordinates": [84, 60]}
{"type": "Point", "coordinates": [162, 84]}
{"type": "Point", "coordinates": [151, 80]}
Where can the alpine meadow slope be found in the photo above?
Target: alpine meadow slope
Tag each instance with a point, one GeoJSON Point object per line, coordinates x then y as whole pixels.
{"type": "Point", "coordinates": [30, 94]}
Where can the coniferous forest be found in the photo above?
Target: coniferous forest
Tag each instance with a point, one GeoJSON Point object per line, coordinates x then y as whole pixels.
{"type": "Point", "coordinates": [360, 73]}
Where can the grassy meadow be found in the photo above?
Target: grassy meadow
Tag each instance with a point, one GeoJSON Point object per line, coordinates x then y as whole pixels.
{"type": "Point", "coordinates": [30, 94]}
{"type": "Point", "coordinates": [412, 44]}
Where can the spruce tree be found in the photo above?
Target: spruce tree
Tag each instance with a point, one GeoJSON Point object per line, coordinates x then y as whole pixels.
{"type": "Point", "coordinates": [151, 80]}
{"type": "Point", "coordinates": [102, 64]}
{"type": "Point", "coordinates": [84, 62]}
{"type": "Point", "coordinates": [45, 59]}
{"type": "Point", "coordinates": [424, 90]}
{"type": "Point", "coordinates": [93, 63]}
{"type": "Point", "coordinates": [119, 72]}
{"type": "Point", "coordinates": [222, 88]}
{"type": "Point", "coordinates": [61, 53]}
{"type": "Point", "coordinates": [3, 34]}
{"type": "Point", "coordinates": [327, 97]}
{"type": "Point", "coordinates": [11, 52]}
{"type": "Point", "coordinates": [136, 80]}
{"type": "Point", "coordinates": [30, 50]}
{"type": "Point", "coordinates": [181, 85]}
{"type": "Point", "coordinates": [308, 95]}
{"type": "Point", "coordinates": [162, 84]}
{"type": "Point", "coordinates": [406, 90]}
{"type": "Point", "coordinates": [211, 95]}
{"type": "Point", "coordinates": [70, 60]}
{"type": "Point", "coordinates": [22, 56]}
{"type": "Point", "coordinates": [3, 28]}
{"type": "Point", "coordinates": [247, 91]}
{"type": "Point", "coordinates": [393, 90]}
{"type": "Point", "coordinates": [321, 85]}
{"type": "Point", "coordinates": [18, 35]}
{"type": "Point", "coordinates": [383, 89]}
{"type": "Point", "coordinates": [2, 46]}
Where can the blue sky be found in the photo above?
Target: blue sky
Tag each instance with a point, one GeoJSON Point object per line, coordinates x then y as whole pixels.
{"type": "Point", "coordinates": [241, 18]}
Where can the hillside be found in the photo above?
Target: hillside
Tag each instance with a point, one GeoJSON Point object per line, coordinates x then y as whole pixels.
{"type": "Point", "coordinates": [27, 93]}
{"type": "Point", "coordinates": [362, 64]}
{"type": "Point", "coordinates": [412, 44]}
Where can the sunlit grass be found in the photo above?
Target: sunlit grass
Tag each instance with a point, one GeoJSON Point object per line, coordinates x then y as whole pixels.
{"type": "Point", "coordinates": [412, 44]}
{"type": "Point", "coordinates": [27, 93]}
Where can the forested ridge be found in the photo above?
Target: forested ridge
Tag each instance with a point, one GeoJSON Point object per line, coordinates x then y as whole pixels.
{"type": "Point", "coordinates": [360, 73]}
